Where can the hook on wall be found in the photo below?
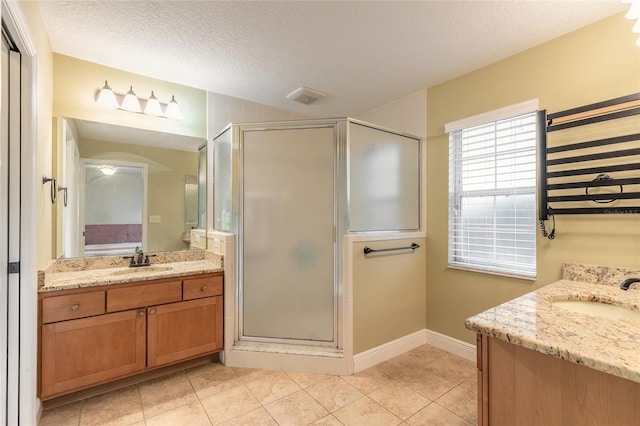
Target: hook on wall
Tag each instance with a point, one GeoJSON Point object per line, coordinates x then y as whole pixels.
{"type": "Point", "coordinates": [66, 195]}
{"type": "Point", "coordinates": [54, 190]}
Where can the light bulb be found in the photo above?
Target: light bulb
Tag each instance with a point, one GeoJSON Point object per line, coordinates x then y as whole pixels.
{"type": "Point", "coordinates": [634, 10]}
{"type": "Point", "coordinates": [131, 102]}
{"type": "Point", "coordinates": [173, 110]}
{"type": "Point", "coordinates": [636, 27]}
{"type": "Point", "coordinates": [153, 106]}
{"type": "Point", "coordinates": [106, 97]}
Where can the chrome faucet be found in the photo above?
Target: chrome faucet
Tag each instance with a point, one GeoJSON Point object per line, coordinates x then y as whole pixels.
{"type": "Point", "coordinates": [627, 283]}
{"type": "Point", "coordinates": [140, 259]}
{"type": "Point", "coordinates": [140, 254]}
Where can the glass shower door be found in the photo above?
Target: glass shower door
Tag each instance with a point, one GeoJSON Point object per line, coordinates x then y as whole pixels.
{"type": "Point", "coordinates": [288, 235]}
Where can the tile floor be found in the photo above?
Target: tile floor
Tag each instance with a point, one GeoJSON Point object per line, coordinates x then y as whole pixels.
{"type": "Point", "coordinates": [426, 386]}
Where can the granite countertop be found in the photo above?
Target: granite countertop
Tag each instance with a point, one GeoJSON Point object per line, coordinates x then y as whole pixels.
{"type": "Point", "coordinates": [93, 272]}
{"type": "Point", "coordinates": [533, 322]}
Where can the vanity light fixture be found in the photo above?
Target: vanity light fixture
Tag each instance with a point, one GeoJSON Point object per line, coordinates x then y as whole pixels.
{"type": "Point", "coordinates": [107, 98]}
{"type": "Point", "coordinates": [153, 106]}
{"type": "Point", "coordinates": [131, 101]}
{"type": "Point", "coordinates": [173, 110]}
{"type": "Point", "coordinates": [634, 14]}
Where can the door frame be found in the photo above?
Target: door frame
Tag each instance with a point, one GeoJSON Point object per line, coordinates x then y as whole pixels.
{"type": "Point", "coordinates": [339, 230]}
{"type": "Point", "coordinates": [145, 194]}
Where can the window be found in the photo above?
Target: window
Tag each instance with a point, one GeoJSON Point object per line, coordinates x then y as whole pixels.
{"type": "Point", "coordinates": [492, 183]}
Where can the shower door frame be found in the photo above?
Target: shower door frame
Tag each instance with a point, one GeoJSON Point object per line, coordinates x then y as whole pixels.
{"type": "Point", "coordinates": [339, 220]}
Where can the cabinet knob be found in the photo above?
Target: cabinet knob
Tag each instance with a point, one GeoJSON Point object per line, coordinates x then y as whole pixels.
{"type": "Point", "coordinates": [152, 311]}
{"type": "Point", "coordinates": [141, 313]}
{"type": "Point", "coordinates": [75, 307]}
{"type": "Point", "coordinates": [204, 288]}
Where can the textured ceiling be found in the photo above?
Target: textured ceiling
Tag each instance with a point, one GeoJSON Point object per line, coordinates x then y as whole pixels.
{"type": "Point", "coordinates": [361, 53]}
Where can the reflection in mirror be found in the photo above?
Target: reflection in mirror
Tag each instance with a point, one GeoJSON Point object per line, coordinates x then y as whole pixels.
{"type": "Point", "coordinates": [202, 187]}
{"type": "Point", "coordinates": [105, 214]}
{"type": "Point", "coordinates": [190, 205]}
{"type": "Point", "coordinates": [114, 205]}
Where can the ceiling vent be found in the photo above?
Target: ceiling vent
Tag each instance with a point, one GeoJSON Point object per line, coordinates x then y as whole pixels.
{"type": "Point", "coordinates": [306, 96]}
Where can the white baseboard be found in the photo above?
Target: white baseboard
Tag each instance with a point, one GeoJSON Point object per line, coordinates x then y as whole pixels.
{"type": "Point", "coordinates": [384, 352]}
{"type": "Point", "coordinates": [457, 347]}
{"type": "Point", "coordinates": [381, 353]}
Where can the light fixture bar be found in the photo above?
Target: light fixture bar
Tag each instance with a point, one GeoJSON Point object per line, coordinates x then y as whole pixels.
{"type": "Point", "coordinates": [107, 98]}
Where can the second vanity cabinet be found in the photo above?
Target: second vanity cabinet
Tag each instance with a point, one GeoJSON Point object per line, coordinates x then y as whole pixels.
{"type": "Point", "coordinates": [94, 335]}
{"type": "Point", "coordinates": [519, 386]}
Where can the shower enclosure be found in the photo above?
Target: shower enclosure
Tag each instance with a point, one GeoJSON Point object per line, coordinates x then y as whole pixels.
{"type": "Point", "coordinates": [290, 191]}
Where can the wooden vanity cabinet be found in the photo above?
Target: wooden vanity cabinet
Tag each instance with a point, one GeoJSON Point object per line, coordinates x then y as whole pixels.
{"type": "Point", "coordinates": [89, 336]}
{"type": "Point", "coordinates": [519, 386]}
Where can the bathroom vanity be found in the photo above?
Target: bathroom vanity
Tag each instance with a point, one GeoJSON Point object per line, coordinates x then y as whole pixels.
{"type": "Point", "coordinates": [549, 358]}
{"type": "Point", "coordinates": [98, 325]}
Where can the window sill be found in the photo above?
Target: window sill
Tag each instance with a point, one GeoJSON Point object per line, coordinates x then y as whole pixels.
{"type": "Point", "coordinates": [500, 274]}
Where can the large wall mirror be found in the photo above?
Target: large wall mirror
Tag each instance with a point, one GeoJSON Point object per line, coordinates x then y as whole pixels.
{"type": "Point", "coordinates": [121, 188]}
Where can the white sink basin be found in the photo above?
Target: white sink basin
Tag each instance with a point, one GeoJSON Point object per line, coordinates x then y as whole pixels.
{"type": "Point", "coordinates": [597, 309]}
{"type": "Point", "coordinates": [141, 269]}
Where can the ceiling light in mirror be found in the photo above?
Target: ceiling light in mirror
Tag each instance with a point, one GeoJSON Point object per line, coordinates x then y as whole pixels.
{"type": "Point", "coordinates": [106, 97]}
{"type": "Point", "coordinates": [131, 102]}
{"type": "Point", "coordinates": [173, 110]}
{"type": "Point", "coordinates": [153, 106]}
{"type": "Point", "coordinates": [107, 169]}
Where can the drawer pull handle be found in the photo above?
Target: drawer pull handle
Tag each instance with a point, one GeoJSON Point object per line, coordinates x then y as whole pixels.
{"type": "Point", "coordinates": [152, 311]}
{"type": "Point", "coordinates": [204, 288]}
{"type": "Point", "coordinates": [75, 307]}
{"type": "Point", "coordinates": [141, 313]}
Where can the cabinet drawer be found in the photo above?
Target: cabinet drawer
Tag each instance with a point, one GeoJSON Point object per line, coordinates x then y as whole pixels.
{"type": "Point", "coordinates": [72, 306]}
{"type": "Point", "coordinates": [141, 295]}
{"type": "Point", "coordinates": [196, 288]}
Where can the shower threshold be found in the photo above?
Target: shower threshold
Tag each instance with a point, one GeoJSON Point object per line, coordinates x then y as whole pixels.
{"type": "Point", "coordinates": [280, 348]}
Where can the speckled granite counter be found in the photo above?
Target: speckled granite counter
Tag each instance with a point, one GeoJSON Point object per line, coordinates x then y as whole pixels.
{"type": "Point", "coordinates": [91, 272]}
{"type": "Point", "coordinates": [531, 321]}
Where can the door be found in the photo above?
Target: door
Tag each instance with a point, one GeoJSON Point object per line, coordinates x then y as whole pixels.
{"type": "Point", "coordinates": [9, 229]}
{"type": "Point", "coordinates": [288, 235]}
{"type": "Point", "coordinates": [87, 351]}
{"type": "Point", "coordinates": [183, 330]}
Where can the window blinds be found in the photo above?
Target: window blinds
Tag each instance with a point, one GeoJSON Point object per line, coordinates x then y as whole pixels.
{"type": "Point", "coordinates": [492, 209]}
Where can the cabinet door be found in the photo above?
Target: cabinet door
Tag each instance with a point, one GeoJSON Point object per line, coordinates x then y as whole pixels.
{"type": "Point", "coordinates": [88, 351]}
{"type": "Point", "coordinates": [183, 330]}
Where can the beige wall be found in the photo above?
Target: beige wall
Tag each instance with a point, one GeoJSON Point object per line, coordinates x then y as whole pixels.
{"type": "Point", "coordinates": [77, 82]}
{"type": "Point", "coordinates": [167, 169]}
{"type": "Point", "coordinates": [407, 114]}
{"type": "Point", "coordinates": [388, 293]}
{"type": "Point", "coordinates": [33, 19]}
{"type": "Point", "coordinates": [223, 109]}
{"type": "Point", "coordinates": [595, 63]}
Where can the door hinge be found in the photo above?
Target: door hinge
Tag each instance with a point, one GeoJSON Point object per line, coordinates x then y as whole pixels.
{"type": "Point", "coordinates": [14, 268]}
